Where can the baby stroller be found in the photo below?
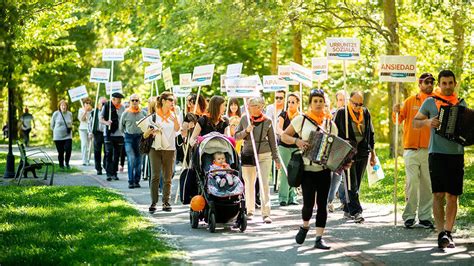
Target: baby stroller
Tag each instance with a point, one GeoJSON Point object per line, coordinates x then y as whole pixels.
{"type": "Point", "coordinates": [223, 205]}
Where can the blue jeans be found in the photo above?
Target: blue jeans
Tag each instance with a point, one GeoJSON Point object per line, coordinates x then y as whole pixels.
{"type": "Point", "coordinates": [335, 182]}
{"type": "Point", "coordinates": [133, 157]}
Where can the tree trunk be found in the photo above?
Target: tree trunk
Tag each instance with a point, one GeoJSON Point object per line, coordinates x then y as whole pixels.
{"type": "Point", "coordinates": [274, 59]}
{"type": "Point", "coordinates": [457, 55]}
{"type": "Point", "coordinates": [297, 47]}
{"type": "Point", "coordinates": [393, 48]}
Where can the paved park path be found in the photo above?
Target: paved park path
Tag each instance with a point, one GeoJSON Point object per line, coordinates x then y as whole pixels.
{"type": "Point", "coordinates": [377, 241]}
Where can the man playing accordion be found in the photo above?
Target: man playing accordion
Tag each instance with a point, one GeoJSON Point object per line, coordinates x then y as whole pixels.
{"type": "Point", "coordinates": [446, 159]}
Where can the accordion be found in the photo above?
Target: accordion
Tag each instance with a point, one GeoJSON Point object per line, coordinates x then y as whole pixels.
{"type": "Point", "coordinates": [456, 124]}
{"type": "Point", "coordinates": [329, 150]}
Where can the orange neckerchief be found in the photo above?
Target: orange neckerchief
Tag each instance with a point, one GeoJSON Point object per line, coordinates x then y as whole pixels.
{"type": "Point", "coordinates": [258, 119]}
{"type": "Point", "coordinates": [224, 165]}
{"type": "Point", "coordinates": [133, 110]}
{"type": "Point", "coordinates": [165, 117]}
{"type": "Point", "coordinates": [291, 114]}
{"type": "Point", "coordinates": [423, 96]}
{"type": "Point", "coordinates": [117, 106]}
{"type": "Point", "coordinates": [358, 120]}
{"type": "Point", "coordinates": [232, 114]}
{"type": "Point", "coordinates": [318, 118]}
{"type": "Point", "coordinates": [453, 99]}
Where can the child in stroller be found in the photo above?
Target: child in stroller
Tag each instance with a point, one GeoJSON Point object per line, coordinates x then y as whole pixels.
{"type": "Point", "coordinates": [222, 177]}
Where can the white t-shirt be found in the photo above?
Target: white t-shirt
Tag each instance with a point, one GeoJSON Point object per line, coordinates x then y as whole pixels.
{"type": "Point", "coordinates": [304, 132]}
{"type": "Point", "coordinates": [167, 139]}
{"type": "Point", "coordinates": [84, 124]}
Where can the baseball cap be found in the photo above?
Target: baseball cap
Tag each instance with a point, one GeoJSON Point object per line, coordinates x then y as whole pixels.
{"type": "Point", "coordinates": [118, 95]}
{"type": "Point", "coordinates": [426, 76]}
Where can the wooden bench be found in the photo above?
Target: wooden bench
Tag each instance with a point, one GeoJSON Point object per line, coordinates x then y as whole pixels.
{"type": "Point", "coordinates": [31, 160]}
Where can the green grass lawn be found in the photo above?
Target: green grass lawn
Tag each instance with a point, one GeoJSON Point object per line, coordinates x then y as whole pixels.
{"type": "Point", "coordinates": [382, 191]}
{"type": "Point", "coordinates": [76, 225]}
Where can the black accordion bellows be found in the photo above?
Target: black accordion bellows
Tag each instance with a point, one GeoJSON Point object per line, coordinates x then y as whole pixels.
{"type": "Point", "coordinates": [456, 124]}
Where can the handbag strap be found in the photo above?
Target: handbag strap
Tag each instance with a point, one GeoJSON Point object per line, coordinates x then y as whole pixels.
{"type": "Point", "coordinates": [63, 118]}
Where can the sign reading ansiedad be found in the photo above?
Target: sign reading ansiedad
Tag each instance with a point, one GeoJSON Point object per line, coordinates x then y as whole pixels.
{"type": "Point", "coordinates": [397, 68]}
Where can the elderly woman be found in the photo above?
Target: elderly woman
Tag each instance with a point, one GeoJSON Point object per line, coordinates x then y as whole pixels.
{"type": "Point", "coordinates": [83, 116]}
{"type": "Point", "coordinates": [132, 135]}
{"type": "Point", "coordinates": [286, 194]}
{"type": "Point", "coordinates": [265, 143]}
{"type": "Point", "coordinates": [162, 125]}
{"type": "Point", "coordinates": [61, 124]}
{"type": "Point", "coordinates": [316, 179]}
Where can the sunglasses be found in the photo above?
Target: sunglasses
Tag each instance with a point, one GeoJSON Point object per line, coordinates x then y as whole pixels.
{"type": "Point", "coordinates": [357, 104]}
{"type": "Point", "coordinates": [279, 98]}
{"type": "Point", "coordinates": [427, 82]}
{"type": "Point", "coordinates": [134, 100]}
{"type": "Point", "coordinates": [170, 99]}
{"type": "Point", "coordinates": [292, 102]}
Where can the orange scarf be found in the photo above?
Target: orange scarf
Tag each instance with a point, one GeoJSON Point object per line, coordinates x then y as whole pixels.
{"type": "Point", "coordinates": [133, 110]}
{"type": "Point", "coordinates": [258, 119]}
{"type": "Point", "coordinates": [163, 116]}
{"type": "Point", "coordinates": [318, 118]}
{"type": "Point", "coordinates": [117, 106]}
{"type": "Point", "coordinates": [423, 96]}
{"type": "Point", "coordinates": [453, 99]}
{"type": "Point", "coordinates": [358, 120]}
{"type": "Point", "coordinates": [291, 114]}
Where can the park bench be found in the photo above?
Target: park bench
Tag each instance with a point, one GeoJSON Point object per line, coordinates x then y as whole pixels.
{"type": "Point", "coordinates": [31, 160]}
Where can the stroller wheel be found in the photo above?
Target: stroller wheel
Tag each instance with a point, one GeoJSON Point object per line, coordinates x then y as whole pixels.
{"type": "Point", "coordinates": [212, 222]}
{"type": "Point", "coordinates": [243, 222]}
{"type": "Point", "coordinates": [194, 218]}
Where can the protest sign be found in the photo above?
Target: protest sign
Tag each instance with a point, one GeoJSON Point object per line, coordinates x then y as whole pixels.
{"type": "Point", "coordinates": [112, 87]}
{"type": "Point", "coordinates": [284, 72]}
{"type": "Point", "coordinates": [202, 75]}
{"type": "Point", "coordinates": [242, 87]}
{"type": "Point", "coordinates": [319, 68]}
{"type": "Point", "coordinates": [78, 93]}
{"type": "Point", "coordinates": [301, 74]}
{"type": "Point", "coordinates": [397, 68]}
{"type": "Point", "coordinates": [151, 55]}
{"type": "Point", "coordinates": [234, 70]}
{"type": "Point", "coordinates": [113, 54]}
{"type": "Point", "coordinates": [274, 84]}
{"type": "Point", "coordinates": [168, 78]}
{"type": "Point", "coordinates": [153, 72]}
{"type": "Point", "coordinates": [99, 75]}
{"type": "Point", "coordinates": [343, 48]}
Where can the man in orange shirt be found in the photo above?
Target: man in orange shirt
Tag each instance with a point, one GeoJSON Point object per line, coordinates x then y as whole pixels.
{"type": "Point", "coordinates": [418, 194]}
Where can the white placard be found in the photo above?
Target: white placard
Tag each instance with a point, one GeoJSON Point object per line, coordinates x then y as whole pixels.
{"type": "Point", "coordinates": [343, 48]}
{"type": "Point", "coordinates": [284, 73]}
{"type": "Point", "coordinates": [202, 75]}
{"type": "Point", "coordinates": [78, 93]}
{"type": "Point", "coordinates": [99, 75]}
{"type": "Point", "coordinates": [153, 72]}
{"type": "Point", "coordinates": [168, 78]}
{"type": "Point", "coordinates": [259, 81]}
{"type": "Point", "coordinates": [234, 70]}
{"type": "Point", "coordinates": [319, 68]}
{"type": "Point", "coordinates": [151, 55]}
{"type": "Point", "coordinates": [274, 84]}
{"type": "Point", "coordinates": [397, 68]}
{"type": "Point", "coordinates": [181, 92]}
{"type": "Point", "coordinates": [113, 54]}
{"type": "Point", "coordinates": [301, 74]}
{"type": "Point", "coordinates": [242, 87]}
{"type": "Point", "coordinates": [112, 87]}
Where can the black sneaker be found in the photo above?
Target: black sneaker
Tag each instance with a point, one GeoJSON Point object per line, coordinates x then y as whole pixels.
{"type": "Point", "coordinates": [358, 218]}
{"type": "Point", "coordinates": [131, 186]}
{"type": "Point", "coordinates": [137, 185]}
{"type": "Point", "coordinates": [427, 224]}
{"type": "Point", "coordinates": [283, 203]}
{"type": "Point", "coordinates": [166, 207]}
{"type": "Point", "coordinates": [321, 244]}
{"type": "Point", "coordinates": [115, 177]}
{"type": "Point", "coordinates": [301, 235]}
{"type": "Point", "coordinates": [443, 240]}
{"type": "Point", "coordinates": [451, 242]}
{"type": "Point", "coordinates": [109, 178]}
{"type": "Point", "coordinates": [410, 223]}
{"type": "Point", "coordinates": [152, 208]}
{"type": "Point", "coordinates": [99, 172]}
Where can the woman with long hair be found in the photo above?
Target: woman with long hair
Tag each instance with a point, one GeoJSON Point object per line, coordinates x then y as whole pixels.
{"type": "Point", "coordinates": [234, 108]}
{"type": "Point", "coordinates": [162, 125]}
{"type": "Point", "coordinates": [214, 121]}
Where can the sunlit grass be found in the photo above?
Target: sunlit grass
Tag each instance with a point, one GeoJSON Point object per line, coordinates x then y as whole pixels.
{"type": "Point", "coordinates": [72, 225]}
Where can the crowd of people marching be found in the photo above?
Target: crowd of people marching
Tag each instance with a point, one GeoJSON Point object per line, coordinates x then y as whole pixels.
{"type": "Point", "coordinates": [434, 165]}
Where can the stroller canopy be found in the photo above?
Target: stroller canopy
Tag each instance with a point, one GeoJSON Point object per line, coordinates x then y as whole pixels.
{"type": "Point", "coordinates": [216, 142]}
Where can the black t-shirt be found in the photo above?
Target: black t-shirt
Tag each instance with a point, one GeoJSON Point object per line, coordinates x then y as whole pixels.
{"type": "Point", "coordinates": [207, 126]}
{"type": "Point", "coordinates": [286, 123]}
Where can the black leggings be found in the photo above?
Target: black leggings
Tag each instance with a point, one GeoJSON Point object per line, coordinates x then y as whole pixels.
{"type": "Point", "coordinates": [63, 146]}
{"type": "Point", "coordinates": [312, 183]}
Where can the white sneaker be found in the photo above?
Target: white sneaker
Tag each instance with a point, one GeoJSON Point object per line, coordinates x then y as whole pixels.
{"type": "Point", "coordinates": [267, 220]}
{"type": "Point", "coordinates": [330, 207]}
{"type": "Point", "coordinates": [249, 216]}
